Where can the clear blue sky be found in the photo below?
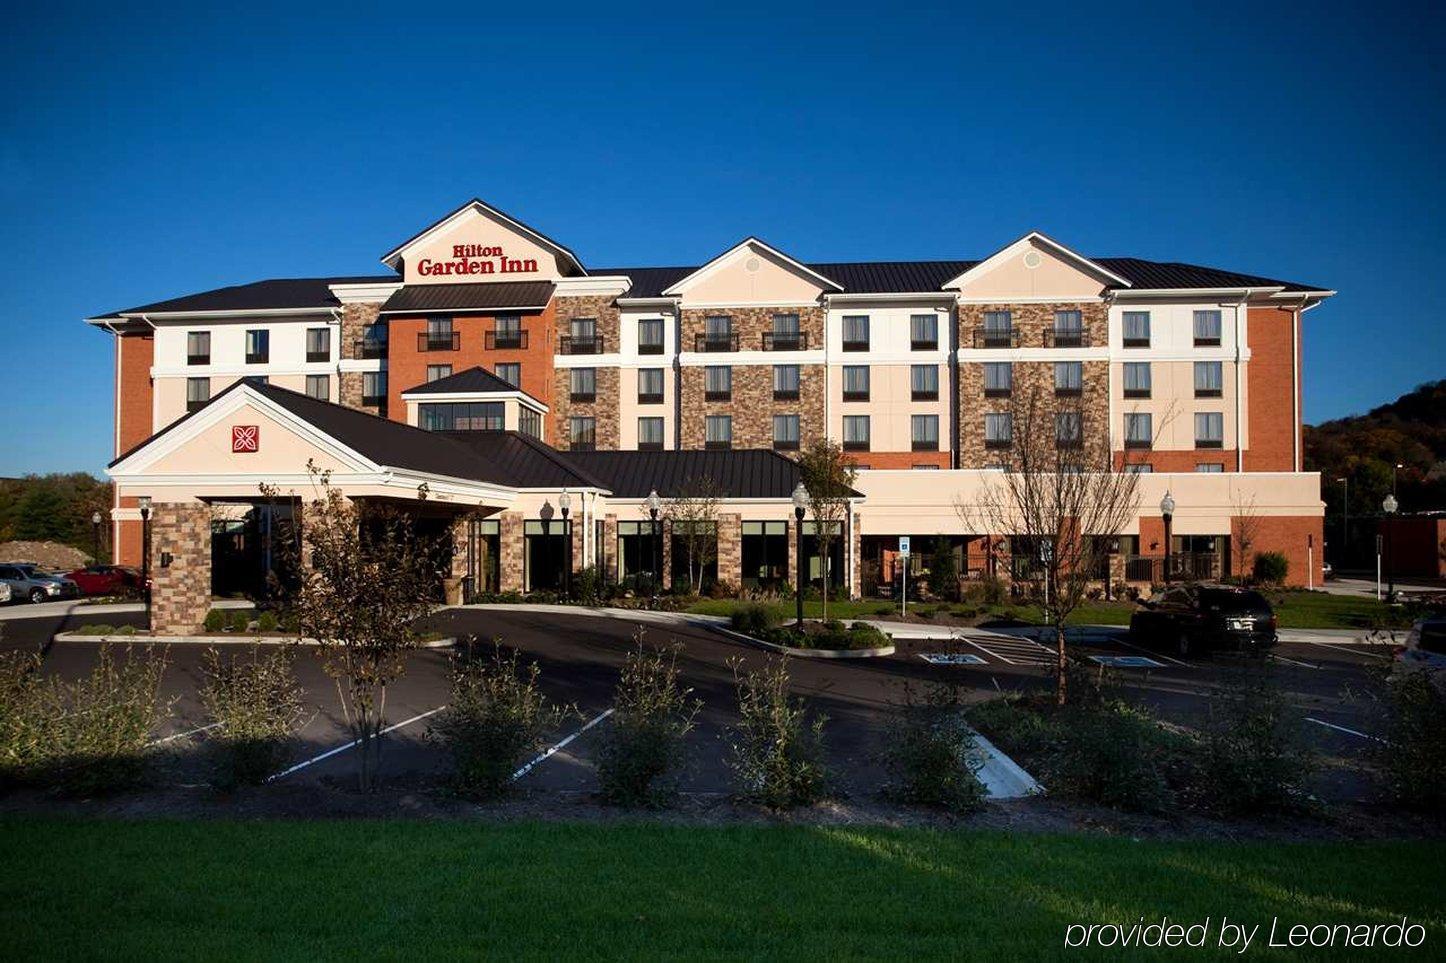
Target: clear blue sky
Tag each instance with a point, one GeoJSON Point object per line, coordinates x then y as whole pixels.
{"type": "Point", "coordinates": [146, 154]}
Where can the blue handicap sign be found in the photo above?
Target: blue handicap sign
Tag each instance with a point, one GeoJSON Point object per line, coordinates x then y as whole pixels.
{"type": "Point", "coordinates": [951, 658]}
{"type": "Point", "coordinates": [1127, 661]}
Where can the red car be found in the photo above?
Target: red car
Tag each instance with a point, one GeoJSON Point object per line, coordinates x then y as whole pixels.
{"type": "Point", "coordinates": [106, 579]}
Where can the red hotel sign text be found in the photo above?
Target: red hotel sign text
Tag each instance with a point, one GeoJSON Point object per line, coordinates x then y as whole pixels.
{"type": "Point", "coordinates": [476, 259]}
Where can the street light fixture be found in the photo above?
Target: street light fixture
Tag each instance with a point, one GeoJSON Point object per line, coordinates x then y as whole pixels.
{"type": "Point", "coordinates": [800, 505]}
{"type": "Point", "coordinates": [145, 505]}
{"type": "Point", "coordinates": [564, 502]}
{"type": "Point", "coordinates": [95, 530]}
{"type": "Point", "coordinates": [1389, 505]}
{"type": "Point", "coordinates": [1167, 511]}
{"type": "Point", "coordinates": [655, 504]}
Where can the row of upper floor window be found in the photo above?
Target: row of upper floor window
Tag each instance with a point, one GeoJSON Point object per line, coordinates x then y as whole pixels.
{"type": "Point", "coordinates": [257, 346]}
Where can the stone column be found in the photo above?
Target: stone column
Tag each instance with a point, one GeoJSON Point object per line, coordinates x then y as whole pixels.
{"type": "Point", "coordinates": [857, 551]}
{"type": "Point", "coordinates": [730, 551]}
{"type": "Point", "coordinates": [667, 572]}
{"type": "Point", "coordinates": [792, 551]}
{"type": "Point", "coordinates": [608, 550]}
{"type": "Point", "coordinates": [510, 542]}
{"type": "Point", "coordinates": [181, 589]}
{"type": "Point", "coordinates": [577, 535]}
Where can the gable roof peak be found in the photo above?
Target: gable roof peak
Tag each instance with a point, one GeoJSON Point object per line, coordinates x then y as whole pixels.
{"type": "Point", "coordinates": [392, 258]}
{"type": "Point", "coordinates": [751, 240]}
{"type": "Point", "coordinates": [1038, 237]}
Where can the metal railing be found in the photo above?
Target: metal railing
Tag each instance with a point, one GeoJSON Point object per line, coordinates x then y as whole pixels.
{"type": "Point", "coordinates": [451, 341]}
{"type": "Point", "coordinates": [504, 340]}
{"type": "Point", "coordinates": [580, 344]}
{"type": "Point", "coordinates": [781, 341]}
{"type": "Point", "coordinates": [996, 338]}
{"type": "Point", "coordinates": [715, 342]}
{"type": "Point", "coordinates": [1053, 338]}
{"type": "Point", "coordinates": [369, 348]}
{"type": "Point", "coordinates": [1184, 567]}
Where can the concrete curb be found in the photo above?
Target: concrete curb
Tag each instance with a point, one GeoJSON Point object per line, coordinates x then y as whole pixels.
{"type": "Point", "coordinates": [1001, 775]}
{"type": "Point", "coordinates": [232, 639]}
{"type": "Point", "coordinates": [807, 653]}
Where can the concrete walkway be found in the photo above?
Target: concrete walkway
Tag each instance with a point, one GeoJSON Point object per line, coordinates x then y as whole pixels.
{"type": "Point", "coordinates": [83, 609]}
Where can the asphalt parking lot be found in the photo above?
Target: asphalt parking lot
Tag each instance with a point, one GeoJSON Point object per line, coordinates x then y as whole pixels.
{"type": "Point", "coordinates": [580, 657]}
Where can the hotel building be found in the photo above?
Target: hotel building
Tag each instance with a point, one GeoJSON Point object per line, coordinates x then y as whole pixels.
{"type": "Point", "coordinates": [490, 363]}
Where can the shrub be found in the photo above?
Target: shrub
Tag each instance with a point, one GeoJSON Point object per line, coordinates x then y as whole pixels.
{"type": "Point", "coordinates": [987, 591]}
{"type": "Point", "coordinates": [256, 702]}
{"type": "Point", "coordinates": [588, 585]}
{"type": "Point", "coordinates": [930, 753]}
{"type": "Point", "coordinates": [126, 630]}
{"type": "Point", "coordinates": [1115, 755]}
{"type": "Point", "coordinates": [753, 618]}
{"type": "Point", "coordinates": [267, 621]}
{"type": "Point", "coordinates": [85, 736]}
{"type": "Point", "coordinates": [777, 749]}
{"type": "Point", "coordinates": [95, 628]}
{"type": "Point", "coordinates": [1413, 755]}
{"type": "Point", "coordinates": [943, 572]}
{"type": "Point", "coordinates": [496, 716]}
{"type": "Point", "coordinates": [1252, 755]}
{"type": "Point", "coordinates": [215, 620]}
{"type": "Point", "coordinates": [1270, 568]}
{"type": "Point", "coordinates": [643, 749]}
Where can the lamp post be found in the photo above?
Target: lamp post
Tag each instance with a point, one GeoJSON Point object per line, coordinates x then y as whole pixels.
{"type": "Point", "coordinates": [145, 504]}
{"type": "Point", "coordinates": [654, 504]}
{"type": "Point", "coordinates": [1389, 506]}
{"type": "Point", "coordinates": [1345, 520]}
{"type": "Point", "coordinates": [564, 502]}
{"type": "Point", "coordinates": [800, 505]}
{"type": "Point", "coordinates": [95, 531]}
{"type": "Point", "coordinates": [1167, 512]}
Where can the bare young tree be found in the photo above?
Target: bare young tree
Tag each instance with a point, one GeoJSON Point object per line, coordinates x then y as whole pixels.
{"type": "Point", "coordinates": [828, 475]}
{"type": "Point", "coordinates": [362, 577]}
{"type": "Point", "coordinates": [1063, 496]}
{"type": "Point", "coordinates": [1244, 528]}
{"type": "Point", "coordinates": [693, 516]}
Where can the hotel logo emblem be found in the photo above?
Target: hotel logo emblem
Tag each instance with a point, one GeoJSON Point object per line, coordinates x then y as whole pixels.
{"type": "Point", "coordinates": [245, 438]}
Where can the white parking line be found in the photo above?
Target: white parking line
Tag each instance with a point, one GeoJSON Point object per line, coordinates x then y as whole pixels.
{"type": "Point", "coordinates": [561, 745]}
{"type": "Point", "coordinates": [351, 745]}
{"type": "Point", "coordinates": [1332, 725]}
{"type": "Point", "coordinates": [1304, 665]}
{"type": "Point", "coordinates": [996, 655]}
{"type": "Point", "coordinates": [1339, 646]}
{"type": "Point", "coordinates": [182, 735]}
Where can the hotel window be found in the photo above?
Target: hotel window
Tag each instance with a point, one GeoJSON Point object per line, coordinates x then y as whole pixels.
{"type": "Point", "coordinates": [319, 387]}
{"type": "Point", "coordinates": [785, 432]}
{"type": "Point", "coordinates": [650, 386]}
{"type": "Point", "coordinates": [582, 434]}
{"type": "Point", "coordinates": [785, 382]}
{"type": "Point", "coordinates": [786, 335]}
{"type": "Point", "coordinates": [1068, 329]}
{"type": "Point", "coordinates": [650, 336]}
{"type": "Point", "coordinates": [529, 421]}
{"type": "Point", "coordinates": [856, 382]}
{"type": "Point", "coordinates": [257, 379]}
{"type": "Point", "coordinates": [318, 344]}
{"type": "Point", "coordinates": [717, 382]}
{"type": "Point", "coordinates": [856, 332]}
{"type": "Point", "coordinates": [718, 334]}
{"type": "Point", "coordinates": [258, 346]}
{"type": "Point", "coordinates": [998, 379]}
{"type": "Point", "coordinates": [1137, 379]}
{"type": "Point", "coordinates": [1210, 468]}
{"type": "Point", "coordinates": [510, 372]}
{"type": "Point", "coordinates": [1137, 329]}
{"type": "Point", "coordinates": [924, 432]}
{"type": "Point", "coordinates": [1207, 328]}
{"type": "Point", "coordinates": [583, 336]}
{"type": "Point", "coordinates": [439, 336]}
{"type": "Point", "coordinates": [923, 332]}
{"type": "Point", "coordinates": [436, 372]}
{"type": "Point", "coordinates": [856, 432]}
{"type": "Point", "coordinates": [374, 340]}
{"type": "Point", "coordinates": [718, 431]}
{"type": "Point", "coordinates": [461, 416]}
{"type": "Point", "coordinates": [198, 347]}
{"type": "Point", "coordinates": [998, 430]}
{"type": "Point", "coordinates": [374, 387]}
{"type": "Point", "coordinates": [507, 332]}
{"type": "Point", "coordinates": [998, 330]}
{"type": "Point", "coordinates": [1139, 469]}
{"type": "Point", "coordinates": [1209, 379]}
{"type": "Point", "coordinates": [1068, 429]}
{"type": "Point", "coordinates": [1209, 429]}
{"type": "Point", "coordinates": [582, 384]}
{"type": "Point", "coordinates": [923, 382]}
{"type": "Point", "coordinates": [1139, 430]}
{"type": "Point", "coordinates": [1068, 378]}
{"type": "Point", "coordinates": [650, 434]}
{"type": "Point", "coordinates": [198, 392]}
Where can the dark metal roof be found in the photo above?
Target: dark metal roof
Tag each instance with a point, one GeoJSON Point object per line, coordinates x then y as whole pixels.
{"type": "Point", "coordinates": [738, 474]}
{"type": "Point", "coordinates": [648, 282]}
{"type": "Point", "coordinates": [1148, 275]}
{"type": "Point", "coordinates": [521, 461]}
{"type": "Point", "coordinates": [473, 380]}
{"type": "Point", "coordinates": [275, 294]}
{"type": "Point", "coordinates": [893, 277]}
{"type": "Point", "coordinates": [494, 296]}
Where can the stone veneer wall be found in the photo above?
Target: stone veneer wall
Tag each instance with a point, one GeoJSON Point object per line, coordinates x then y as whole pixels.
{"type": "Point", "coordinates": [752, 405]}
{"type": "Point", "coordinates": [750, 324]}
{"type": "Point", "coordinates": [180, 591]}
{"type": "Point", "coordinates": [354, 317]}
{"type": "Point", "coordinates": [1030, 320]}
{"type": "Point", "coordinates": [609, 548]}
{"type": "Point", "coordinates": [1093, 405]}
{"type": "Point", "coordinates": [601, 307]}
{"type": "Point", "coordinates": [604, 410]}
{"type": "Point", "coordinates": [730, 550]}
{"type": "Point", "coordinates": [510, 544]}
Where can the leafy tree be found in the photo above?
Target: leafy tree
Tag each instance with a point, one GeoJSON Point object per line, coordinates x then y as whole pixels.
{"type": "Point", "coordinates": [828, 475]}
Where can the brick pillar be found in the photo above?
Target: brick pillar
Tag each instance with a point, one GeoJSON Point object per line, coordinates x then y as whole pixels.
{"type": "Point", "coordinates": [608, 550]}
{"type": "Point", "coordinates": [181, 590]}
{"type": "Point", "coordinates": [459, 546]}
{"type": "Point", "coordinates": [578, 528]}
{"type": "Point", "coordinates": [510, 564]}
{"type": "Point", "coordinates": [792, 552]}
{"type": "Point", "coordinates": [856, 581]}
{"type": "Point", "coordinates": [730, 550]}
{"type": "Point", "coordinates": [667, 553]}
{"type": "Point", "coordinates": [1117, 568]}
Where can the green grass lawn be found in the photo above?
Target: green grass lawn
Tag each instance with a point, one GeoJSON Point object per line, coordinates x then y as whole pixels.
{"type": "Point", "coordinates": [424, 890]}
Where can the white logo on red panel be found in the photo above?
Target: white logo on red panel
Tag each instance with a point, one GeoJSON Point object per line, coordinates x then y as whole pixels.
{"type": "Point", "coordinates": [245, 438]}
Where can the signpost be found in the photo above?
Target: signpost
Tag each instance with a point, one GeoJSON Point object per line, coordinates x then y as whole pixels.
{"type": "Point", "coordinates": [1310, 563]}
{"type": "Point", "coordinates": [1378, 566]}
{"type": "Point", "coordinates": [904, 584]}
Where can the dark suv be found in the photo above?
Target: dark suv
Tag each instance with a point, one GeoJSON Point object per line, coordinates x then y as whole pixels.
{"type": "Point", "coordinates": [1202, 618]}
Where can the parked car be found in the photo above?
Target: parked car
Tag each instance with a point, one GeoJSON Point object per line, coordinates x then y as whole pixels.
{"type": "Point", "coordinates": [28, 582]}
{"type": "Point", "coordinates": [5, 593]}
{"type": "Point", "coordinates": [1188, 619]}
{"type": "Point", "coordinates": [106, 579]}
{"type": "Point", "coordinates": [1425, 649]}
